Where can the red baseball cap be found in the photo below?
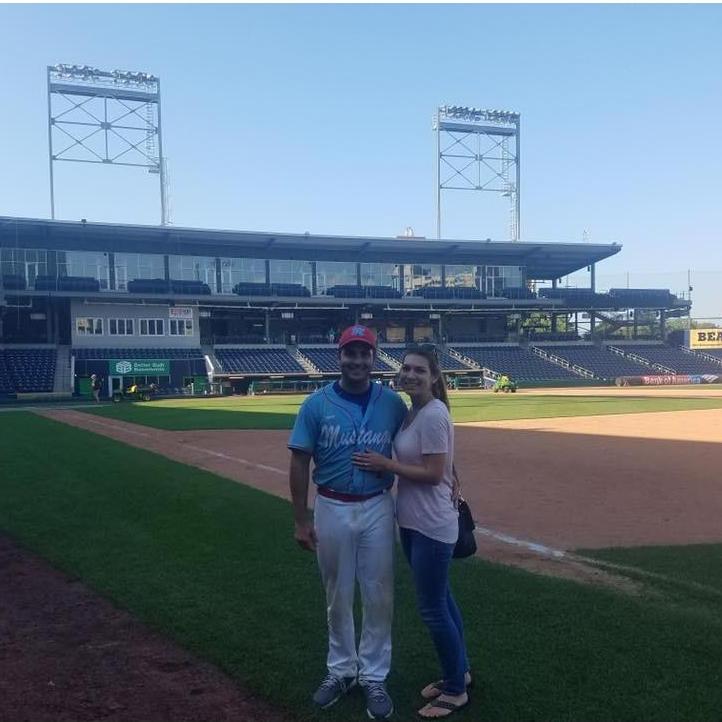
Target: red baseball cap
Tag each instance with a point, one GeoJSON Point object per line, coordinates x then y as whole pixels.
{"type": "Point", "coordinates": [363, 334]}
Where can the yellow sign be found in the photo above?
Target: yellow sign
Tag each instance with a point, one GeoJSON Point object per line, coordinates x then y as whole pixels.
{"type": "Point", "coordinates": [705, 338]}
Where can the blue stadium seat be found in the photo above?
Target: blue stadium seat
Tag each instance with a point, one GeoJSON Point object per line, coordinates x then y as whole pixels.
{"type": "Point", "coordinates": [641, 297]}
{"type": "Point", "coordinates": [93, 354]}
{"type": "Point", "coordinates": [578, 297]}
{"type": "Point", "coordinates": [673, 358]}
{"type": "Point", "coordinates": [325, 359]}
{"type": "Point", "coordinates": [717, 353]}
{"type": "Point", "coordinates": [519, 363]}
{"type": "Point", "coordinates": [26, 370]}
{"type": "Point", "coordinates": [600, 361]}
{"type": "Point", "coordinates": [446, 361]}
{"type": "Point", "coordinates": [13, 282]}
{"type": "Point", "coordinates": [261, 361]}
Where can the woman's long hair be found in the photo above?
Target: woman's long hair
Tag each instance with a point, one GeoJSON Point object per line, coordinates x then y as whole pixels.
{"type": "Point", "coordinates": [438, 387]}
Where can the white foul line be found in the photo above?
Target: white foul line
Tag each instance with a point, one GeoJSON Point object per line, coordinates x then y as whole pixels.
{"type": "Point", "coordinates": [199, 449]}
{"type": "Point", "coordinates": [221, 455]}
{"type": "Point", "coordinates": [531, 546]}
{"type": "Point", "coordinates": [122, 429]}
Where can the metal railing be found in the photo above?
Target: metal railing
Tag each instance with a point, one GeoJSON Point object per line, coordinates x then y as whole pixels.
{"type": "Point", "coordinates": [701, 354]}
{"type": "Point", "coordinates": [464, 359]}
{"type": "Point", "coordinates": [641, 360]}
{"type": "Point", "coordinates": [564, 363]}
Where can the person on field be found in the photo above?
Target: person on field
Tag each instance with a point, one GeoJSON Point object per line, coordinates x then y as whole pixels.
{"type": "Point", "coordinates": [428, 520]}
{"type": "Point", "coordinates": [352, 527]}
{"type": "Point", "coordinates": [95, 386]}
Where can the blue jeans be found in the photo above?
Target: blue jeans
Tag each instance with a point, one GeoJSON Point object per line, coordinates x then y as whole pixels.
{"type": "Point", "coordinates": [429, 560]}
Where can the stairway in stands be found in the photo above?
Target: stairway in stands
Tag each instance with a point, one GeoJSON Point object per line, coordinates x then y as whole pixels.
{"type": "Point", "coordinates": [213, 365]}
{"type": "Point", "coordinates": [303, 360]}
{"type": "Point", "coordinates": [388, 359]}
{"type": "Point", "coordinates": [62, 382]}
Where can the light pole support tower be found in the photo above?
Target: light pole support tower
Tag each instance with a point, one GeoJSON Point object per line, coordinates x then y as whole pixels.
{"type": "Point", "coordinates": [107, 117]}
{"type": "Point", "coordinates": [478, 150]}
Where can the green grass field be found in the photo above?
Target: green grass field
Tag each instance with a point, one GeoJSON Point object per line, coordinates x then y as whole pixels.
{"type": "Point", "coordinates": [279, 412]}
{"type": "Point", "coordinates": [691, 564]}
{"type": "Point", "coordinates": [211, 563]}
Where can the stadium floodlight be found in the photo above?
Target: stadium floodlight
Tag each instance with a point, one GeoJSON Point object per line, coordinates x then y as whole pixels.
{"type": "Point", "coordinates": [495, 168]}
{"type": "Point", "coordinates": [110, 117]}
{"type": "Point", "coordinates": [473, 114]}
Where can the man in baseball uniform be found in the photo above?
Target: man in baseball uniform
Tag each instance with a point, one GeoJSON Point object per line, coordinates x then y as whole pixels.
{"type": "Point", "coordinates": [352, 527]}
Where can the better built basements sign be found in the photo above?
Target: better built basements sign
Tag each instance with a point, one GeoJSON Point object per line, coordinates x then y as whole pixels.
{"type": "Point", "coordinates": [139, 367]}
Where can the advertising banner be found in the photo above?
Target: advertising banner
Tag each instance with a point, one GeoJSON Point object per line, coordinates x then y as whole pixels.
{"type": "Point", "coordinates": [702, 338]}
{"type": "Point", "coordinates": [139, 367]}
{"type": "Point", "coordinates": [668, 380]}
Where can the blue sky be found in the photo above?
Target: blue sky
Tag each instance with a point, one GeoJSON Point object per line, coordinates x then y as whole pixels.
{"type": "Point", "coordinates": [318, 118]}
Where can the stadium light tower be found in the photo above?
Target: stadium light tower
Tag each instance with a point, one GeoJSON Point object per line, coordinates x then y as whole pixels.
{"type": "Point", "coordinates": [109, 117]}
{"type": "Point", "coordinates": [475, 153]}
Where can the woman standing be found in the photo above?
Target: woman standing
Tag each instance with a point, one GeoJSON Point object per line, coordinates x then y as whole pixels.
{"type": "Point", "coordinates": [428, 520]}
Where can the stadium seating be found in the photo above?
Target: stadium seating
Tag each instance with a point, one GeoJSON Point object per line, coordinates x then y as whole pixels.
{"type": "Point", "coordinates": [350, 291]}
{"type": "Point", "coordinates": [533, 335]}
{"type": "Point", "coordinates": [271, 360]}
{"type": "Point", "coordinates": [148, 285]}
{"type": "Point", "coordinates": [641, 297]}
{"type": "Point", "coordinates": [193, 288]}
{"type": "Point", "coordinates": [717, 353]}
{"type": "Point", "coordinates": [519, 363]}
{"type": "Point", "coordinates": [66, 283]}
{"type": "Point", "coordinates": [522, 294]}
{"type": "Point", "coordinates": [160, 285]}
{"type": "Point", "coordinates": [583, 297]}
{"type": "Point", "coordinates": [600, 361]}
{"type": "Point", "coordinates": [346, 291]}
{"type": "Point", "coordinates": [439, 292]}
{"type": "Point", "coordinates": [26, 370]}
{"type": "Point", "coordinates": [679, 361]}
{"type": "Point", "coordinates": [446, 360]}
{"type": "Point", "coordinates": [381, 292]}
{"type": "Point", "coordinates": [272, 289]}
{"type": "Point", "coordinates": [289, 289]}
{"type": "Point", "coordinates": [13, 282]}
{"type": "Point", "coordinates": [91, 354]}
{"type": "Point", "coordinates": [252, 289]}
{"type": "Point", "coordinates": [325, 359]}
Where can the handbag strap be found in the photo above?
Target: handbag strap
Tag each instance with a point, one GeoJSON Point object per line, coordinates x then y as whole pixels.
{"type": "Point", "coordinates": [457, 481]}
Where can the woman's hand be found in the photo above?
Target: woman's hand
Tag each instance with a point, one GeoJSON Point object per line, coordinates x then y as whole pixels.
{"type": "Point", "coordinates": [371, 461]}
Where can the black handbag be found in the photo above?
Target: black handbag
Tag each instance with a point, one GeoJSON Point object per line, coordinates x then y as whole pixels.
{"type": "Point", "coordinates": [466, 543]}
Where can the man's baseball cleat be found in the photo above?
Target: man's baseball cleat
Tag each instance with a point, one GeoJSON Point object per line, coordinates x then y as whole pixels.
{"type": "Point", "coordinates": [332, 689]}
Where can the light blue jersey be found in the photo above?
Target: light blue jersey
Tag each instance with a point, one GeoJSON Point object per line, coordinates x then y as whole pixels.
{"type": "Point", "coordinates": [332, 429]}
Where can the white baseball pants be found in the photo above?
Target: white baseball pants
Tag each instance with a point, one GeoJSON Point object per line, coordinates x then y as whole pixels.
{"type": "Point", "coordinates": [356, 543]}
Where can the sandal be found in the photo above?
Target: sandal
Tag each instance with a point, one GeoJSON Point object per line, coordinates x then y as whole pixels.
{"type": "Point", "coordinates": [433, 690]}
{"type": "Point", "coordinates": [443, 706]}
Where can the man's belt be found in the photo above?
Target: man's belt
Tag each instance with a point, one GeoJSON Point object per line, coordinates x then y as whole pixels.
{"type": "Point", "coordinates": [342, 496]}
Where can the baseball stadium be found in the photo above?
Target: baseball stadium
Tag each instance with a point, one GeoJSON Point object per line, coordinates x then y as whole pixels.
{"type": "Point", "coordinates": [594, 487]}
{"type": "Point", "coordinates": [149, 379]}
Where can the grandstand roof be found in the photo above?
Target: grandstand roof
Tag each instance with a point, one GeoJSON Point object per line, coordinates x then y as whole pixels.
{"type": "Point", "coordinates": [543, 261]}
